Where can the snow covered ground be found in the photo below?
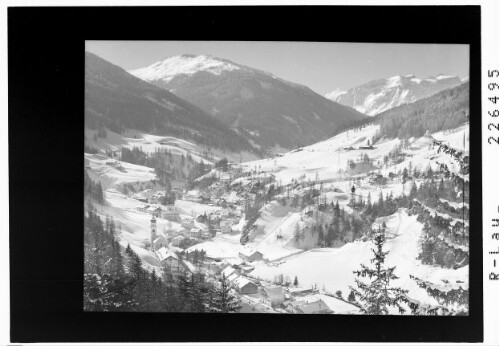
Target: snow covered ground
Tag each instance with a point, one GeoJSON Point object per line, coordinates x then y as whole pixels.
{"type": "Point", "coordinates": [328, 157]}
{"type": "Point", "coordinates": [111, 176]}
{"type": "Point", "coordinates": [150, 143]}
{"type": "Point", "coordinates": [332, 269]}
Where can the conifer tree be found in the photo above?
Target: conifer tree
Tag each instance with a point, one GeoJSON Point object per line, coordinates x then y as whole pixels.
{"type": "Point", "coordinates": [223, 299]}
{"type": "Point", "coordinates": [376, 296]}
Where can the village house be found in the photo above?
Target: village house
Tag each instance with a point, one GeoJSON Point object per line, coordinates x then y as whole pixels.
{"type": "Point", "coordinates": [228, 271]}
{"type": "Point", "coordinates": [317, 307]}
{"type": "Point", "coordinates": [193, 196]}
{"type": "Point", "coordinates": [159, 242]}
{"type": "Point", "coordinates": [246, 268]}
{"type": "Point", "coordinates": [244, 286]}
{"type": "Point", "coordinates": [195, 233]}
{"type": "Point", "coordinates": [191, 272]}
{"type": "Point", "coordinates": [187, 224]}
{"type": "Point", "coordinates": [233, 276]}
{"type": "Point", "coordinates": [300, 291]}
{"type": "Point", "coordinates": [175, 266]}
{"type": "Point", "coordinates": [154, 210]}
{"type": "Point", "coordinates": [171, 213]}
{"type": "Point", "coordinates": [205, 233]}
{"type": "Point", "coordinates": [156, 198]}
{"type": "Point", "coordinates": [274, 295]}
{"type": "Point", "coordinates": [170, 261]}
{"type": "Point", "coordinates": [178, 240]}
{"type": "Point", "coordinates": [250, 255]}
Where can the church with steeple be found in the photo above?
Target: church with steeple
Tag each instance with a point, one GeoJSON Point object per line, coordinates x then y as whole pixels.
{"type": "Point", "coordinates": [157, 241]}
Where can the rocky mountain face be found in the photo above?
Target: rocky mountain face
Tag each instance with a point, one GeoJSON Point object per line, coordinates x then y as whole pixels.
{"type": "Point", "coordinates": [269, 111]}
{"type": "Point", "coordinates": [380, 95]}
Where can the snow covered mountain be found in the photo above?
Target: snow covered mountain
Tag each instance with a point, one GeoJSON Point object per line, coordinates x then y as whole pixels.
{"type": "Point", "coordinates": [166, 70]}
{"type": "Point", "coordinates": [380, 95]}
{"type": "Point", "coordinates": [269, 111]}
{"type": "Point", "coordinates": [116, 100]}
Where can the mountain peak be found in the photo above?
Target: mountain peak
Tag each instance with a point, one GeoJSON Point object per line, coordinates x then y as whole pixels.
{"type": "Point", "coordinates": [186, 64]}
{"type": "Point", "coordinates": [380, 95]}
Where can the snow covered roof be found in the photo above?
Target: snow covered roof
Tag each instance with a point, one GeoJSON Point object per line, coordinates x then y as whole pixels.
{"type": "Point", "coordinates": [159, 238]}
{"type": "Point", "coordinates": [189, 266]}
{"type": "Point", "coordinates": [299, 290]}
{"type": "Point", "coordinates": [228, 271]}
{"type": "Point", "coordinates": [240, 282]}
{"type": "Point", "coordinates": [165, 253]}
{"type": "Point", "coordinates": [179, 237]}
{"type": "Point", "coordinates": [154, 208]}
{"type": "Point", "coordinates": [232, 277]}
{"type": "Point", "coordinates": [248, 252]}
{"type": "Point", "coordinates": [313, 307]}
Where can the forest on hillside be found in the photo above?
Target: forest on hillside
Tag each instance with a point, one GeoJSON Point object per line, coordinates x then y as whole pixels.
{"type": "Point", "coordinates": [446, 110]}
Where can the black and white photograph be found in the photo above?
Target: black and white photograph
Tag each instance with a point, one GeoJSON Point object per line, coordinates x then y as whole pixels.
{"type": "Point", "coordinates": [259, 172]}
{"type": "Point", "coordinates": [276, 177]}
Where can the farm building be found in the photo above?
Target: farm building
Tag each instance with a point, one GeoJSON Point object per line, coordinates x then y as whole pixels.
{"type": "Point", "coordinates": [300, 291]}
{"type": "Point", "coordinates": [250, 255]}
{"type": "Point", "coordinates": [228, 271]}
{"type": "Point", "coordinates": [317, 307]}
{"type": "Point", "coordinates": [244, 286]}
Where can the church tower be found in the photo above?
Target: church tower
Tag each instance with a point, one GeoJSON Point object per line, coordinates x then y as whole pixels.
{"type": "Point", "coordinates": [153, 231]}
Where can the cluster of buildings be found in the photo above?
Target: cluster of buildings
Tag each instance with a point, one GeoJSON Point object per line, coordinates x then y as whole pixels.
{"type": "Point", "coordinates": [173, 265]}
{"type": "Point", "coordinates": [284, 299]}
{"type": "Point", "coordinates": [167, 212]}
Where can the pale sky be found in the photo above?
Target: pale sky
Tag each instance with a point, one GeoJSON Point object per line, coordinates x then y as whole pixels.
{"type": "Point", "coordinates": [322, 66]}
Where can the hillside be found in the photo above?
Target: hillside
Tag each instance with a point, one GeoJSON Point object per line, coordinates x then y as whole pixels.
{"type": "Point", "coordinates": [380, 95]}
{"type": "Point", "coordinates": [116, 100]}
{"type": "Point", "coordinates": [269, 111]}
{"type": "Point", "coordinates": [446, 110]}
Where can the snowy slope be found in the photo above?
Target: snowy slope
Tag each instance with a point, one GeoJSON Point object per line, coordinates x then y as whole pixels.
{"type": "Point", "coordinates": [111, 176]}
{"type": "Point", "coordinates": [151, 143]}
{"type": "Point", "coordinates": [380, 95]}
{"type": "Point", "coordinates": [332, 269]}
{"type": "Point", "coordinates": [169, 68]}
{"type": "Point", "coordinates": [328, 157]}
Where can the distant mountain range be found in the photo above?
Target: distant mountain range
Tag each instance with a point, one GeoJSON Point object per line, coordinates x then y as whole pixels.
{"type": "Point", "coordinates": [380, 95]}
{"type": "Point", "coordinates": [118, 101]}
{"type": "Point", "coordinates": [269, 111]}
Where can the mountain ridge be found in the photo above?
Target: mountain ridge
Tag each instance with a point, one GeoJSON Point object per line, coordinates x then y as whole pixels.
{"type": "Point", "coordinates": [268, 110]}
{"type": "Point", "coordinates": [117, 100]}
{"type": "Point", "coordinates": [379, 95]}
